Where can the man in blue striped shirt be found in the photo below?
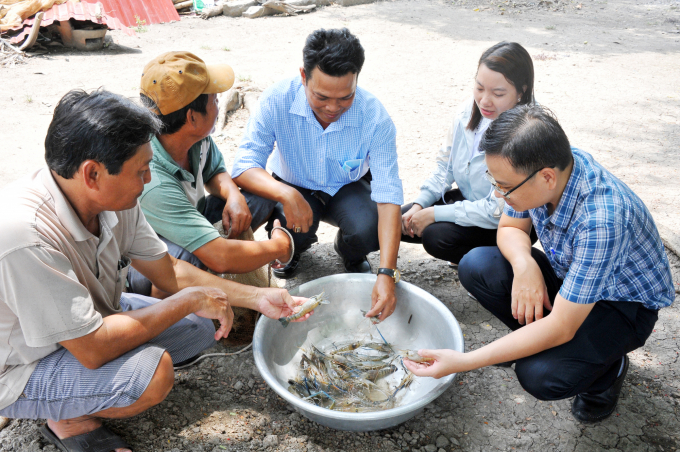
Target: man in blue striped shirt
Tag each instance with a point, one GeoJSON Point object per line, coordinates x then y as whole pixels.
{"type": "Point", "coordinates": [603, 277]}
{"type": "Point", "coordinates": [331, 148]}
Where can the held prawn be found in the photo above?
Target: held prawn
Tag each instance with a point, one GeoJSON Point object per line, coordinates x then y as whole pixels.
{"type": "Point", "coordinates": [306, 308]}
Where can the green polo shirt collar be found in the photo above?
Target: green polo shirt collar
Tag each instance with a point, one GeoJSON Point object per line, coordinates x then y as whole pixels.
{"type": "Point", "coordinates": [162, 158]}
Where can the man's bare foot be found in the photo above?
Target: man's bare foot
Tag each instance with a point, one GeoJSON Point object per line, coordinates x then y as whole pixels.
{"type": "Point", "coordinates": [67, 428]}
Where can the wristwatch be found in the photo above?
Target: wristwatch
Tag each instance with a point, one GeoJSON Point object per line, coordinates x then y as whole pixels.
{"type": "Point", "coordinates": [391, 272]}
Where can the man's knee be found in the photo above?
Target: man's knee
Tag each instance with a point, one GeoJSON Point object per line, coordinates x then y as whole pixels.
{"type": "Point", "coordinates": [161, 383]}
{"type": "Point", "coordinates": [543, 379]}
{"type": "Point", "coordinates": [361, 232]}
{"type": "Point", "coordinates": [261, 209]}
{"type": "Point", "coordinates": [362, 238]}
{"type": "Point", "coordinates": [441, 242]}
{"type": "Point", "coordinates": [474, 265]}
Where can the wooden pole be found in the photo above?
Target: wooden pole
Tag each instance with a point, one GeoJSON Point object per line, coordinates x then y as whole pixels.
{"type": "Point", "coordinates": [183, 5]}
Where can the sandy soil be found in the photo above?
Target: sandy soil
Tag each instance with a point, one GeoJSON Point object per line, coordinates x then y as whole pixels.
{"type": "Point", "coordinates": [609, 70]}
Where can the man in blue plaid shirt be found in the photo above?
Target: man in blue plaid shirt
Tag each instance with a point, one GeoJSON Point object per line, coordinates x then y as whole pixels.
{"type": "Point", "coordinates": [603, 277]}
{"type": "Point", "coordinates": [333, 159]}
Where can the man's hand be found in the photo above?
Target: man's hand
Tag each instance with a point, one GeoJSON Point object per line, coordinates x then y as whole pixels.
{"type": "Point", "coordinates": [383, 300]}
{"type": "Point", "coordinates": [406, 219]}
{"type": "Point", "coordinates": [277, 303]}
{"type": "Point", "coordinates": [529, 294]}
{"type": "Point", "coordinates": [236, 215]}
{"type": "Point", "coordinates": [445, 363]}
{"type": "Point", "coordinates": [212, 304]}
{"type": "Point", "coordinates": [297, 211]}
{"type": "Point", "coordinates": [421, 220]}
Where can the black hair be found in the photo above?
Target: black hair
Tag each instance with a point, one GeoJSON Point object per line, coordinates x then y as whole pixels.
{"type": "Point", "coordinates": [100, 126]}
{"type": "Point", "coordinates": [530, 138]}
{"type": "Point", "coordinates": [174, 121]}
{"type": "Point", "coordinates": [335, 52]}
{"type": "Point", "coordinates": [514, 62]}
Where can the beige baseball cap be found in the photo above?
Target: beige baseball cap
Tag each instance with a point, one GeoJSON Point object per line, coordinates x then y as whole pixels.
{"type": "Point", "coordinates": [175, 79]}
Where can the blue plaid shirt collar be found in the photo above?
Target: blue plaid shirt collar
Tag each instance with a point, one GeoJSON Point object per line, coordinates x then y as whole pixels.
{"type": "Point", "coordinates": [564, 212]}
{"type": "Point", "coordinates": [300, 107]}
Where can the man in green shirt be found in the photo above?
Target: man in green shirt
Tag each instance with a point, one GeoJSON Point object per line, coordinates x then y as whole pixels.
{"type": "Point", "coordinates": [187, 165]}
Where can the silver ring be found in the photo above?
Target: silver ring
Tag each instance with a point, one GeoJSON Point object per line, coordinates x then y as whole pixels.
{"type": "Point", "coordinates": [298, 229]}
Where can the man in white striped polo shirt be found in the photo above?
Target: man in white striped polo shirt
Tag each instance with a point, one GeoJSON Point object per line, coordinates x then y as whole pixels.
{"type": "Point", "coordinates": [74, 347]}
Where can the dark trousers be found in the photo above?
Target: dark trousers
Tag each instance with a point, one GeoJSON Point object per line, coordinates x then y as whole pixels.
{"type": "Point", "coordinates": [590, 362]}
{"type": "Point", "coordinates": [137, 283]}
{"type": "Point", "coordinates": [351, 210]}
{"type": "Point", "coordinates": [450, 241]}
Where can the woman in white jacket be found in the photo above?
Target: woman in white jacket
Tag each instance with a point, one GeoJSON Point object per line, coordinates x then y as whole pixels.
{"type": "Point", "coordinates": [449, 223]}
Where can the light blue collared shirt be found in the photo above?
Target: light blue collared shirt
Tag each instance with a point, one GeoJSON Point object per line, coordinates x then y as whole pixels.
{"type": "Point", "coordinates": [308, 156]}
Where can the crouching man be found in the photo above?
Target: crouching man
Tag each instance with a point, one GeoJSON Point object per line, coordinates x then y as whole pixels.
{"type": "Point", "coordinates": [181, 90]}
{"type": "Point", "coordinates": [604, 274]}
{"type": "Point", "coordinates": [73, 346]}
{"type": "Point", "coordinates": [331, 147]}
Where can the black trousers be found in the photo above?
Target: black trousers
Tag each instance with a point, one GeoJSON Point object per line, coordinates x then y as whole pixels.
{"type": "Point", "coordinates": [450, 241]}
{"type": "Point", "coordinates": [590, 362]}
{"type": "Point", "coordinates": [351, 210]}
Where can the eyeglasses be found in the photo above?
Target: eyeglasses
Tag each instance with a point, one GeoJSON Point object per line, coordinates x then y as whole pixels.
{"type": "Point", "coordinates": [506, 194]}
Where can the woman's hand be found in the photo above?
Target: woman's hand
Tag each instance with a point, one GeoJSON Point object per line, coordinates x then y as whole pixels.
{"type": "Point", "coordinates": [406, 219]}
{"type": "Point", "coordinates": [421, 220]}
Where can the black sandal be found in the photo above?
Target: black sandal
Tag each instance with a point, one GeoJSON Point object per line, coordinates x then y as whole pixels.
{"type": "Point", "coordinates": [98, 440]}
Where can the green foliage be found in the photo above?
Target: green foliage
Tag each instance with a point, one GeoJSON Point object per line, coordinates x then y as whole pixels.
{"type": "Point", "coordinates": [140, 24]}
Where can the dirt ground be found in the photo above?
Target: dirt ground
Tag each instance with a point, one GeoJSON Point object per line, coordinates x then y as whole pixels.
{"type": "Point", "coordinates": [610, 71]}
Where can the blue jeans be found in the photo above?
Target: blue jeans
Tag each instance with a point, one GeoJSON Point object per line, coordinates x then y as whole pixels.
{"type": "Point", "coordinates": [591, 360]}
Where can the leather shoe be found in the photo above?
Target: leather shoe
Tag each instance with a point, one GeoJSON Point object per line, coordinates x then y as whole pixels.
{"type": "Point", "coordinates": [289, 270]}
{"type": "Point", "coordinates": [595, 407]}
{"type": "Point", "coordinates": [361, 266]}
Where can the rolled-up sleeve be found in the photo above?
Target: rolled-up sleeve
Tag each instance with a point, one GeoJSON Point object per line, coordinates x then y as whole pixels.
{"type": "Point", "coordinates": [258, 142]}
{"type": "Point", "coordinates": [386, 186]}
{"type": "Point", "coordinates": [512, 213]}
